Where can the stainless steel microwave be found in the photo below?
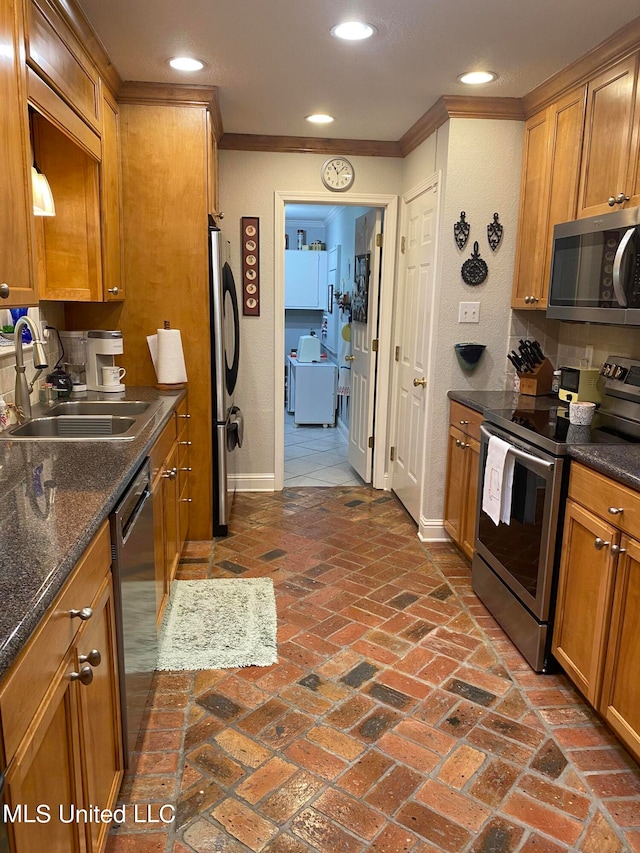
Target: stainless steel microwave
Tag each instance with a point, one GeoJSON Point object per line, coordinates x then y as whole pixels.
{"type": "Point", "coordinates": [595, 269]}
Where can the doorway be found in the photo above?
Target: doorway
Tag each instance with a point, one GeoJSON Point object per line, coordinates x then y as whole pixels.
{"type": "Point", "coordinates": [332, 228]}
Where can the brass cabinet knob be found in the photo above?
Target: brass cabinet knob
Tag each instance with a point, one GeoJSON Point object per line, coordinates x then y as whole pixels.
{"type": "Point", "coordinates": [186, 500]}
{"type": "Point", "coordinates": [464, 423]}
{"type": "Point", "coordinates": [187, 443]}
{"type": "Point", "coordinates": [84, 614]}
{"type": "Point", "coordinates": [85, 676]}
{"type": "Point", "coordinates": [417, 382]}
{"type": "Point", "coordinates": [184, 416]}
{"type": "Point", "coordinates": [94, 658]}
{"type": "Point", "coordinates": [186, 469]}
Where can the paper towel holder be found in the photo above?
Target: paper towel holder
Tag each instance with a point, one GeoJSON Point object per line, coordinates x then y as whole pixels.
{"type": "Point", "coordinates": [169, 386]}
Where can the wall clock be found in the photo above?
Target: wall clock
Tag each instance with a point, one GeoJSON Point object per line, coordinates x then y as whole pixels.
{"type": "Point", "coordinates": [337, 174]}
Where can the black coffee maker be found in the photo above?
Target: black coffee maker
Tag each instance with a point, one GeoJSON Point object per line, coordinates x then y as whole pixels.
{"type": "Point", "coordinates": [59, 378]}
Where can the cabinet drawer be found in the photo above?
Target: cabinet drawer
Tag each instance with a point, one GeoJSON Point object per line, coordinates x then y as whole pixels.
{"type": "Point", "coordinates": [183, 465]}
{"type": "Point", "coordinates": [27, 682]}
{"type": "Point", "coordinates": [465, 419]}
{"type": "Point", "coordinates": [182, 420]}
{"type": "Point", "coordinates": [56, 54]}
{"type": "Point", "coordinates": [162, 448]}
{"type": "Point", "coordinates": [601, 495]}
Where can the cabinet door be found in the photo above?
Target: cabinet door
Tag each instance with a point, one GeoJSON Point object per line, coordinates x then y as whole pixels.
{"type": "Point", "coordinates": [530, 251]}
{"type": "Point", "coordinates": [584, 598]}
{"type": "Point", "coordinates": [608, 130]}
{"type": "Point", "coordinates": [111, 202]}
{"type": "Point", "coordinates": [157, 498]}
{"type": "Point", "coordinates": [17, 269]}
{"type": "Point", "coordinates": [565, 125]}
{"type": "Point", "coordinates": [468, 525]}
{"type": "Point", "coordinates": [301, 283]}
{"type": "Point", "coordinates": [455, 485]}
{"type": "Point", "coordinates": [212, 167]}
{"type": "Point", "coordinates": [46, 772]}
{"type": "Point", "coordinates": [620, 703]}
{"type": "Point", "coordinates": [170, 515]}
{"type": "Point", "coordinates": [100, 730]}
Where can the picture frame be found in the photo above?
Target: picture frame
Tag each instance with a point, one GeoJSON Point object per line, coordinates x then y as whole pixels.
{"type": "Point", "coordinates": [360, 298]}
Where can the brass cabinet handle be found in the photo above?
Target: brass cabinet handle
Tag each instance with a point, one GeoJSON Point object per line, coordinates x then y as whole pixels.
{"type": "Point", "coordinates": [94, 658]}
{"type": "Point", "coordinates": [85, 676]}
{"type": "Point", "coordinates": [417, 382]}
{"type": "Point", "coordinates": [616, 510]}
{"type": "Point", "coordinates": [349, 358]}
{"type": "Point", "coordinates": [599, 544]}
{"type": "Point", "coordinates": [84, 614]}
{"type": "Point", "coordinates": [114, 290]}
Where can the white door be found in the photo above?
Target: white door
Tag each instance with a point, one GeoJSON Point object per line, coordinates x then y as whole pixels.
{"type": "Point", "coordinates": [413, 329]}
{"type": "Point", "coordinates": [363, 357]}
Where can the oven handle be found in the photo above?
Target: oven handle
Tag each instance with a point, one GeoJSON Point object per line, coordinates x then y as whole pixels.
{"type": "Point", "coordinates": [532, 461]}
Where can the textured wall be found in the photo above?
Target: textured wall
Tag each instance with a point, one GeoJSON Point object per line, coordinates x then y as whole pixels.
{"type": "Point", "coordinates": [248, 181]}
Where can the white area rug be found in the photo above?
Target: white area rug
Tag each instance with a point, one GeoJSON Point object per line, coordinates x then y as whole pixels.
{"type": "Point", "coordinates": [221, 623]}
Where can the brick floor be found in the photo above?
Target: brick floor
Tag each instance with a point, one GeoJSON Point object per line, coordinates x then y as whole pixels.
{"type": "Point", "coordinates": [398, 718]}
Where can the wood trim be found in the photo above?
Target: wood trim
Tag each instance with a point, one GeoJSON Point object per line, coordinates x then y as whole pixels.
{"type": "Point", "coordinates": [617, 47]}
{"type": "Point", "coordinates": [308, 145]}
{"type": "Point", "coordinates": [50, 105]}
{"type": "Point", "coordinates": [459, 106]}
{"type": "Point", "coordinates": [170, 94]}
{"type": "Point", "coordinates": [78, 21]}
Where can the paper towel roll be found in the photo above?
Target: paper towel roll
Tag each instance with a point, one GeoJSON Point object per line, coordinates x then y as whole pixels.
{"type": "Point", "coordinates": [169, 363]}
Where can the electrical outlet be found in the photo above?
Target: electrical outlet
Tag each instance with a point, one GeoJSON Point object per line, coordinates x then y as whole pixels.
{"type": "Point", "coordinates": [469, 312]}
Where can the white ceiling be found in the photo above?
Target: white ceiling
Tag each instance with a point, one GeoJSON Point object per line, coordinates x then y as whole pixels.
{"type": "Point", "coordinates": [275, 62]}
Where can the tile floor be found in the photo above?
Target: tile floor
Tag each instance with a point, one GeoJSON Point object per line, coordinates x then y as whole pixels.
{"type": "Point", "coordinates": [314, 456]}
{"type": "Point", "coordinates": [399, 717]}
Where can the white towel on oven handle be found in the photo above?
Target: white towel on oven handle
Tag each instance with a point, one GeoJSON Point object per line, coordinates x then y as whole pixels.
{"type": "Point", "coordinates": [498, 481]}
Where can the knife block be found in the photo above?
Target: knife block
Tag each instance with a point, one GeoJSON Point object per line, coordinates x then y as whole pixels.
{"type": "Point", "coordinates": [538, 382]}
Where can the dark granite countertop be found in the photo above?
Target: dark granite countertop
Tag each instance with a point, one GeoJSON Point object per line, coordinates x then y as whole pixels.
{"type": "Point", "coordinates": [621, 462]}
{"type": "Point", "coordinates": [42, 540]}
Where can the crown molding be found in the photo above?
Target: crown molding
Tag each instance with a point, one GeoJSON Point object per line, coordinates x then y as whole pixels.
{"type": "Point", "coordinates": [617, 47]}
{"type": "Point", "coordinates": [172, 94]}
{"type": "Point", "coordinates": [79, 23]}
{"type": "Point", "coordinates": [308, 145]}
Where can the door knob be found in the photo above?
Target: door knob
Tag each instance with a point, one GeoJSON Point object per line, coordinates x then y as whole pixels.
{"type": "Point", "coordinates": [349, 358]}
{"type": "Point", "coordinates": [417, 382]}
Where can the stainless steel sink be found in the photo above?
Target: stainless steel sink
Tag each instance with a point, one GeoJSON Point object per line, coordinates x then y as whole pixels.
{"type": "Point", "coordinates": [99, 407]}
{"type": "Point", "coordinates": [86, 420]}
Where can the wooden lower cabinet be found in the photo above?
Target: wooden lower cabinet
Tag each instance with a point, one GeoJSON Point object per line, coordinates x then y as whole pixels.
{"type": "Point", "coordinates": [461, 491]}
{"type": "Point", "coordinates": [69, 755]}
{"type": "Point", "coordinates": [596, 634]}
{"type": "Point", "coordinates": [170, 496]}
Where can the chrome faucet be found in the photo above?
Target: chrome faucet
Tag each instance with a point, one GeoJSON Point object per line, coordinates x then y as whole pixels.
{"type": "Point", "coordinates": [24, 389]}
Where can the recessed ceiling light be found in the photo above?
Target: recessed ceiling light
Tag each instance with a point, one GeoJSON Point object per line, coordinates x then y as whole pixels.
{"type": "Point", "coordinates": [353, 31]}
{"type": "Point", "coordinates": [319, 118]}
{"type": "Point", "coordinates": [475, 78]}
{"type": "Point", "coordinates": [186, 63]}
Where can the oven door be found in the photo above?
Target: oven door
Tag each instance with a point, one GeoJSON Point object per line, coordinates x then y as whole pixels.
{"type": "Point", "coordinates": [522, 552]}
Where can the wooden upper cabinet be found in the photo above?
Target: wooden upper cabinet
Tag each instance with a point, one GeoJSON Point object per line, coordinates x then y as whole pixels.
{"type": "Point", "coordinates": [550, 169]}
{"type": "Point", "coordinates": [111, 202]}
{"type": "Point", "coordinates": [17, 269]}
{"type": "Point", "coordinates": [57, 55]}
{"type": "Point", "coordinates": [212, 167]}
{"type": "Point", "coordinates": [606, 160]}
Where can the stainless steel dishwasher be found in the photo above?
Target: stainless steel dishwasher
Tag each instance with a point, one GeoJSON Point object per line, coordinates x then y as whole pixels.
{"type": "Point", "coordinates": [135, 596]}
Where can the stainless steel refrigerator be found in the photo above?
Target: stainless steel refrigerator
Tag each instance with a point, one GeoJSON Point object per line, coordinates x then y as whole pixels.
{"type": "Point", "coordinates": [225, 358]}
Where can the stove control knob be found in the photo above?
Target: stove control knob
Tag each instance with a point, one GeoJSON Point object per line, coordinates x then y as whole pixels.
{"type": "Point", "coordinates": [620, 373]}
{"type": "Point", "coordinates": [604, 367]}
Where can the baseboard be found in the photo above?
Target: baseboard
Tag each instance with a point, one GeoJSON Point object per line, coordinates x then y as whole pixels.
{"type": "Point", "coordinates": [253, 482]}
{"type": "Point", "coordinates": [432, 530]}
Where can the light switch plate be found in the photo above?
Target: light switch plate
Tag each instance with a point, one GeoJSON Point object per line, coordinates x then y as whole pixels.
{"type": "Point", "coordinates": [469, 312]}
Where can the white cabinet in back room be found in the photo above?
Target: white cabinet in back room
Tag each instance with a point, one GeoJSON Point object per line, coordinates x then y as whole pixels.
{"type": "Point", "coordinates": [305, 279]}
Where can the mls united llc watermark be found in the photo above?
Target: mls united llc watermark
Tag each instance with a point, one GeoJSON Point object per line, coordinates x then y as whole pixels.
{"type": "Point", "coordinates": [66, 813]}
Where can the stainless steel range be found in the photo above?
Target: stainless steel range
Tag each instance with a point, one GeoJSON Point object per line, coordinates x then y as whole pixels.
{"type": "Point", "coordinates": [514, 568]}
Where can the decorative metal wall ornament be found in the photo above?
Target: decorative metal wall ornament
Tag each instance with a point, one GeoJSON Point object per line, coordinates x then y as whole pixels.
{"type": "Point", "coordinates": [474, 269]}
{"type": "Point", "coordinates": [494, 233]}
{"type": "Point", "coordinates": [461, 231]}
